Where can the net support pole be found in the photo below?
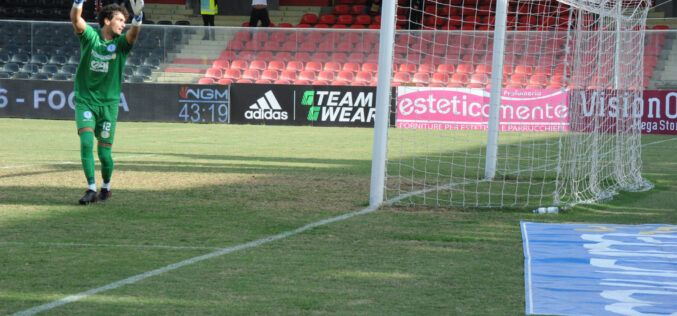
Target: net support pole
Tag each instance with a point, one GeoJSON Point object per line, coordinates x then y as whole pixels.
{"type": "Point", "coordinates": [496, 84]}
{"type": "Point", "coordinates": [385, 58]}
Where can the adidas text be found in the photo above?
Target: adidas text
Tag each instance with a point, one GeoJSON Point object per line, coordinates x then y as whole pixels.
{"type": "Point", "coordinates": [265, 115]}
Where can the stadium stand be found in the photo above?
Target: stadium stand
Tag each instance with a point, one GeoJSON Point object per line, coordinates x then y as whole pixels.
{"type": "Point", "coordinates": [336, 40]}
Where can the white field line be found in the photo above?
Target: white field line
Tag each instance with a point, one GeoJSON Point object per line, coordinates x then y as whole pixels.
{"type": "Point", "coordinates": [67, 162]}
{"type": "Point", "coordinates": [529, 285]}
{"type": "Point", "coordinates": [139, 277]}
{"type": "Point", "coordinates": [75, 244]}
{"type": "Point", "coordinates": [660, 141]}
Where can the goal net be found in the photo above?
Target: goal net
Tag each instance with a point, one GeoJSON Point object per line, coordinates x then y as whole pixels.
{"type": "Point", "coordinates": [523, 103]}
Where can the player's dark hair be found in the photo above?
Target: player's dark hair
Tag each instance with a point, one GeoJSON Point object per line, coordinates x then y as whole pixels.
{"type": "Point", "coordinates": [109, 10]}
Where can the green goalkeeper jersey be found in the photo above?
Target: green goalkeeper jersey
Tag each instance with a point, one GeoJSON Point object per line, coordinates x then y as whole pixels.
{"type": "Point", "coordinates": [98, 80]}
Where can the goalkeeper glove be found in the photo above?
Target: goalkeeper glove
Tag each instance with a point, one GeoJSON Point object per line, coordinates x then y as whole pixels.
{"type": "Point", "coordinates": [137, 7]}
{"type": "Point", "coordinates": [78, 3]}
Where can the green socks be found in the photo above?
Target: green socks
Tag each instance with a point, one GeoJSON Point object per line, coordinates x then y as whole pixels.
{"type": "Point", "coordinates": [87, 155]}
{"type": "Point", "coordinates": [106, 162]}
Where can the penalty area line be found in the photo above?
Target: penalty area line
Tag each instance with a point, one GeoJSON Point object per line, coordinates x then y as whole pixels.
{"type": "Point", "coordinates": [223, 251]}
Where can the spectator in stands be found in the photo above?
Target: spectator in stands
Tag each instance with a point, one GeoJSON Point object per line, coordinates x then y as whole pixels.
{"type": "Point", "coordinates": [259, 13]}
{"type": "Point", "coordinates": [373, 7]}
{"type": "Point", "coordinates": [208, 9]}
{"type": "Point", "coordinates": [416, 8]}
{"type": "Point", "coordinates": [97, 86]}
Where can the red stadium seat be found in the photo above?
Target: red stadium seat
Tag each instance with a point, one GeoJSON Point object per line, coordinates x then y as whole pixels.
{"type": "Point", "coordinates": [278, 65]}
{"type": "Point", "coordinates": [345, 75]}
{"type": "Point", "coordinates": [225, 81]}
{"type": "Point", "coordinates": [278, 36]}
{"type": "Point", "coordinates": [354, 67]}
{"type": "Point", "coordinates": [483, 69]}
{"type": "Point", "coordinates": [299, 82]}
{"type": "Point", "coordinates": [309, 18]}
{"type": "Point", "coordinates": [246, 55]}
{"type": "Point", "coordinates": [245, 81]}
{"type": "Point", "coordinates": [313, 66]}
{"type": "Point", "coordinates": [253, 45]}
{"type": "Point", "coordinates": [325, 75]}
{"type": "Point", "coordinates": [269, 74]}
{"type": "Point", "coordinates": [357, 58]}
{"type": "Point", "coordinates": [215, 73]}
{"type": "Point", "coordinates": [523, 70]}
{"type": "Point", "coordinates": [326, 47]}
{"type": "Point", "coordinates": [265, 56]}
{"type": "Point", "coordinates": [302, 56]}
{"type": "Point", "coordinates": [441, 78]}
{"type": "Point", "coordinates": [448, 68]}
{"type": "Point", "coordinates": [426, 68]}
{"type": "Point", "coordinates": [406, 67]}
{"type": "Point", "coordinates": [465, 68]}
{"type": "Point", "coordinates": [357, 9]}
{"type": "Point", "coordinates": [363, 19]}
{"type": "Point", "coordinates": [252, 74]}
{"type": "Point", "coordinates": [283, 56]}
{"type": "Point", "coordinates": [332, 66]}
{"type": "Point", "coordinates": [307, 47]}
{"type": "Point", "coordinates": [479, 78]}
{"type": "Point", "coordinates": [258, 65]}
{"type": "Point", "coordinates": [234, 45]}
{"type": "Point", "coordinates": [306, 75]}
{"type": "Point", "coordinates": [345, 47]}
{"type": "Point", "coordinates": [340, 83]}
{"type": "Point", "coordinates": [341, 9]}
{"type": "Point", "coordinates": [327, 19]}
{"type": "Point", "coordinates": [364, 76]}
{"type": "Point", "coordinates": [320, 57]}
{"type": "Point", "coordinates": [459, 79]}
{"type": "Point", "coordinates": [401, 77]}
{"type": "Point", "coordinates": [220, 64]}
{"type": "Point", "coordinates": [338, 57]}
{"type": "Point", "coordinates": [288, 75]}
{"type": "Point", "coordinates": [239, 64]}
{"type": "Point", "coordinates": [206, 81]}
{"type": "Point", "coordinates": [321, 26]}
{"type": "Point", "coordinates": [271, 46]}
{"type": "Point", "coordinates": [372, 67]}
{"type": "Point", "coordinates": [421, 77]}
{"type": "Point", "coordinates": [282, 81]}
{"type": "Point", "coordinates": [260, 36]}
{"type": "Point", "coordinates": [540, 80]}
{"type": "Point", "coordinates": [519, 79]}
{"type": "Point", "coordinates": [295, 65]}
{"type": "Point", "coordinates": [345, 19]}
{"type": "Point", "coordinates": [232, 74]}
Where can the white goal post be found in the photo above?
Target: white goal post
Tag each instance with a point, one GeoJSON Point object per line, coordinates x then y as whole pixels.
{"type": "Point", "coordinates": [557, 125]}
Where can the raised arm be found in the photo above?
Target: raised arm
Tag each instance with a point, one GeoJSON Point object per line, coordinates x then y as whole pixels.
{"type": "Point", "coordinates": [79, 23]}
{"type": "Point", "coordinates": [133, 33]}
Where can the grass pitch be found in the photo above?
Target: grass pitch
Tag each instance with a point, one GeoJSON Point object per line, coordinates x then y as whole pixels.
{"type": "Point", "coordinates": [183, 190]}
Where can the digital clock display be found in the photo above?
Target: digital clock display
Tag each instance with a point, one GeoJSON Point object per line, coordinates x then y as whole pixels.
{"type": "Point", "coordinates": [204, 113]}
{"type": "Point", "coordinates": [204, 104]}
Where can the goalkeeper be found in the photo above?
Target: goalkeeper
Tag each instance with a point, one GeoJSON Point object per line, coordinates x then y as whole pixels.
{"type": "Point", "coordinates": [98, 82]}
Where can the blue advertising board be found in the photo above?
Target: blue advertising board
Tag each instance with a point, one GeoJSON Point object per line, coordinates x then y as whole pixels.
{"type": "Point", "coordinates": [600, 269]}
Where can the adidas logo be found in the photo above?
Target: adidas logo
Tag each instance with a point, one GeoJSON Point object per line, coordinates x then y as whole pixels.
{"type": "Point", "coordinates": [266, 108]}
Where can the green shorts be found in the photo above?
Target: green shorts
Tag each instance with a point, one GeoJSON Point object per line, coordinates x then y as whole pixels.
{"type": "Point", "coordinates": [101, 118]}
